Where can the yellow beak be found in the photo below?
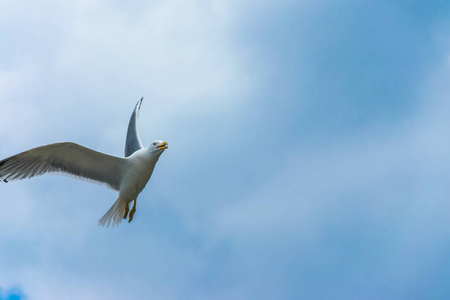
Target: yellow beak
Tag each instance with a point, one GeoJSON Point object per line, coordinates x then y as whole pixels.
{"type": "Point", "coordinates": [164, 145]}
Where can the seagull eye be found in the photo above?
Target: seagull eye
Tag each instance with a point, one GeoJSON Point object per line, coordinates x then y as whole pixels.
{"type": "Point", "coordinates": [154, 144]}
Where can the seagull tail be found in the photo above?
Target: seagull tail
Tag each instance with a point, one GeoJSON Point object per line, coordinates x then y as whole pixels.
{"type": "Point", "coordinates": [114, 215]}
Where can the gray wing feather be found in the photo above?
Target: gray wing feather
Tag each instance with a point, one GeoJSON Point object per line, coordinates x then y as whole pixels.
{"type": "Point", "coordinates": [133, 142]}
{"type": "Point", "coordinates": [69, 158]}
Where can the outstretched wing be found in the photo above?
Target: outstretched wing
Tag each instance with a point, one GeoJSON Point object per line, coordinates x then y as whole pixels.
{"type": "Point", "coordinates": [69, 158]}
{"type": "Point", "coordinates": [133, 142]}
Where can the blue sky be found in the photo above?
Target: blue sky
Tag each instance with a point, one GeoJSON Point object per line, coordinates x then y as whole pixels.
{"type": "Point", "coordinates": [308, 148]}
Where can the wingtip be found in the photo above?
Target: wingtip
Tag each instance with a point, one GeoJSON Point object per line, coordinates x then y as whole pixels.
{"type": "Point", "coordinates": [138, 105]}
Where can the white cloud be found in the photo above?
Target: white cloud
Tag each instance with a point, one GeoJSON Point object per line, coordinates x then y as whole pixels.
{"type": "Point", "coordinates": [96, 57]}
{"type": "Point", "coordinates": [69, 66]}
{"type": "Point", "coordinates": [179, 52]}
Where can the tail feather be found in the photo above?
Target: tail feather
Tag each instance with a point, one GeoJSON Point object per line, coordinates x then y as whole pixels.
{"type": "Point", "coordinates": [114, 215]}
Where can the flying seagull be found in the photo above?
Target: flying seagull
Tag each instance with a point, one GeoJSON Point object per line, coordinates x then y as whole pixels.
{"type": "Point", "coordinates": [127, 175]}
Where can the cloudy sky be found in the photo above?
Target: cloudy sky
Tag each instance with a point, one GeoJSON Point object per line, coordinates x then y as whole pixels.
{"type": "Point", "coordinates": [309, 153]}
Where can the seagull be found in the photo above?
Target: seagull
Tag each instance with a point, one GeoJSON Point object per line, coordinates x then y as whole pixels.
{"type": "Point", "coordinates": [128, 175]}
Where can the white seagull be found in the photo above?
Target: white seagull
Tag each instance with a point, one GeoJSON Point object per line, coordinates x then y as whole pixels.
{"type": "Point", "coordinates": [127, 175]}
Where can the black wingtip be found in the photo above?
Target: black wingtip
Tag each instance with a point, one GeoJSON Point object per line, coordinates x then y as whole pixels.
{"type": "Point", "coordinates": [138, 105]}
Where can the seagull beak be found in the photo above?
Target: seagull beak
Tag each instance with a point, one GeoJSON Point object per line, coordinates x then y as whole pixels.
{"type": "Point", "coordinates": [164, 145]}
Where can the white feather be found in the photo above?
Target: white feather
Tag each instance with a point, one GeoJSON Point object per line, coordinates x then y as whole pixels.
{"type": "Point", "coordinates": [69, 158]}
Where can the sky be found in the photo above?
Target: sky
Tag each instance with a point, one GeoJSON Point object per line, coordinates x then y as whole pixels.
{"type": "Point", "coordinates": [308, 148]}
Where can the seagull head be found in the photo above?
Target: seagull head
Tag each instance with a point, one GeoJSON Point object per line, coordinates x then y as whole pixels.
{"type": "Point", "coordinates": [159, 146]}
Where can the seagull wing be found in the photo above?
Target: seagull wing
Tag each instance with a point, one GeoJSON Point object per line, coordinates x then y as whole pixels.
{"type": "Point", "coordinates": [69, 158]}
{"type": "Point", "coordinates": [133, 142]}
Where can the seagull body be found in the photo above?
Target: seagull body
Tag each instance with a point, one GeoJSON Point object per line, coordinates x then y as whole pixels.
{"type": "Point", "coordinates": [127, 175]}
